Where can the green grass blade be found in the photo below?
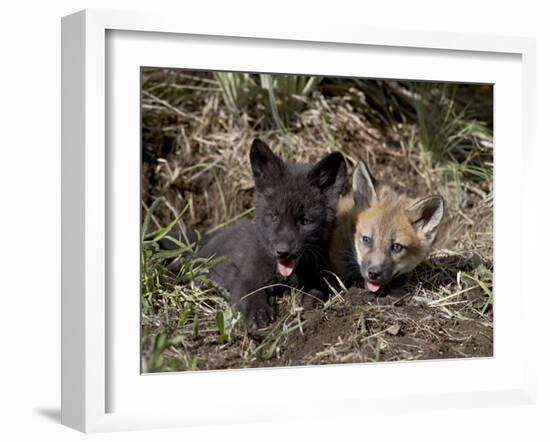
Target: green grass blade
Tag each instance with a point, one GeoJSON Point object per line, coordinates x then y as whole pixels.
{"type": "Point", "coordinates": [149, 216]}
{"type": "Point", "coordinates": [163, 232]}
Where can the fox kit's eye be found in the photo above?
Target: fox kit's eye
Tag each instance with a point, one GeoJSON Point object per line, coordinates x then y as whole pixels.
{"type": "Point", "coordinates": [305, 220]}
{"type": "Point", "coordinates": [273, 216]}
{"type": "Point", "coordinates": [367, 240]}
{"type": "Point", "coordinates": [396, 247]}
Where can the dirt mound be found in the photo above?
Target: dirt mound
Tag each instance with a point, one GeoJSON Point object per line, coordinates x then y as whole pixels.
{"type": "Point", "coordinates": [360, 327]}
{"type": "Point", "coordinates": [369, 328]}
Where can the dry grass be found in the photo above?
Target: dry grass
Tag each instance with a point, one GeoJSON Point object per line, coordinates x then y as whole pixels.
{"type": "Point", "coordinates": [195, 154]}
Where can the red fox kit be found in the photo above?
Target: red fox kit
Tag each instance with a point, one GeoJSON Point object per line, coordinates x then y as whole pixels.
{"type": "Point", "coordinates": [380, 234]}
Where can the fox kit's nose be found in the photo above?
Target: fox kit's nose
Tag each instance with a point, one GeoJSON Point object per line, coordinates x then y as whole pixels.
{"type": "Point", "coordinates": [282, 251]}
{"type": "Point", "coordinates": [374, 274]}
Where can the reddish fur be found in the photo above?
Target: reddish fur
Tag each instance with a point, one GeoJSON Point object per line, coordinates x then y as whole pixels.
{"type": "Point", "coordinates": [386, 221]}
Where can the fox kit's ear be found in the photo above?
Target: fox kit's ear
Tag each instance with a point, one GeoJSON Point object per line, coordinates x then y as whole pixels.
{"type": "Point", "coordinates": [267, 168]}
{"type": "Point", "coordinates": [426, 214]}
{"type": "Point", "coordinates": [363, 187]}
{"type": "Point", "coordinates": [330, 175]}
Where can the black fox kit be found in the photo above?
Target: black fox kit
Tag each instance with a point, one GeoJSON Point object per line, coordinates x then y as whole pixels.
{"type": "Point", "coordinates": [379, 234]}
{"type": "Point", "coordinates": [288, 241]}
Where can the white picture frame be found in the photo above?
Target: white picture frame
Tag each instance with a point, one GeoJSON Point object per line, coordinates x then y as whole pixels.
{"type": "Point", "coordinates": [89, 170]}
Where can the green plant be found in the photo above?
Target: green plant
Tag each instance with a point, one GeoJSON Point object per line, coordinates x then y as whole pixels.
{"type": "Point", "coordinates": [237, 88]}
{"type": "Point", "coordinates": [286, 95]}
{"type": "Point", "coordinates": [156, 361]}
{"type": "Point", "coordinates": [283, 94]}
{"type": "Point", "coordinates": [451, 131]}
{"type": "Point", "coordinates": [178, 308]}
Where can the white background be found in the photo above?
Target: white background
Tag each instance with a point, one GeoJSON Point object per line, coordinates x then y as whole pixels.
{"type": "Point", "coordinates": [30, 221]}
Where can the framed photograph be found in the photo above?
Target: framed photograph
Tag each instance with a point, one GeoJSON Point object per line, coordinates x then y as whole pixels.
{"type": "Point", "coordinates": [269, 222]}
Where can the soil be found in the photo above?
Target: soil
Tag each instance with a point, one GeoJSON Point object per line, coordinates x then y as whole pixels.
{"type": "Point", "coordinates": [362, 327]}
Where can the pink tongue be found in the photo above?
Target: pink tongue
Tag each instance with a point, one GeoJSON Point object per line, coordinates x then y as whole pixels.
{"type": "Point", "coordinates": [286, 267]}
{"type": "Point", "coordinates": [374, 286]}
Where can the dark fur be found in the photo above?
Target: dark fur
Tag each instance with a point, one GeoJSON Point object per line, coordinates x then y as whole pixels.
{"type": "Point", "coordinates": [285, 194]}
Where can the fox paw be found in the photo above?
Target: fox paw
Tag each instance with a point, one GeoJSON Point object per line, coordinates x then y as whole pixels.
{"type": "Point", "coordinates": [312, 299]}
{"type": "Point", "coordinates": [260, 315]}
